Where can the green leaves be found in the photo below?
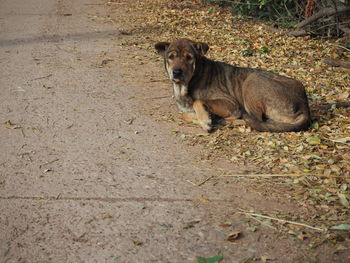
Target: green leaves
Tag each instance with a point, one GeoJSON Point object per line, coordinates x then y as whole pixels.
{"type": "Point", "coordinates": [345, 227]}
{"type": "Point", "coordinates": [216, 259]}
{"type": "Point", "coordinates": [264, 50]}
{"type": "Point", "coordinates": [262, 3]}
{"type": "Point", "coordinates": [247, 52]}
{"type": "Point", "coordinates": [314, 140]}
{"type": "Point", "coordinates": [344, 199]}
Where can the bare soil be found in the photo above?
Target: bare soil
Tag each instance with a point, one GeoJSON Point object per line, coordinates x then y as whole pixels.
{"type": "Point", "coordinates": [93, 167]}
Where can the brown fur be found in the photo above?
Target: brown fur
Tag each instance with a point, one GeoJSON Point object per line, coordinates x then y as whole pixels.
{"type": "Point", "coordinates": [266, 101]}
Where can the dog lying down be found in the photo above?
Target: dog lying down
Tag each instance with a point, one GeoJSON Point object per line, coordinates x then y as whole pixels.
{"type": "Point", "coordinates": [202, 87]}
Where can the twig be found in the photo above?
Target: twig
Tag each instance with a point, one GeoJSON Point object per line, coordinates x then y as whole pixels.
{"type": "Point", "coordinates": [191, 182]}
{"type": "Point", "coordinates": [158, 80]}
{"type": "Point", "coordinates": [261, 222]}
{"type": "Point", "coordinates": [282, 175]}
{"type": "Point", "coordinates": [41, 165]}
{"type": "Point", "coordinates": [156, 98]}
{"type": "Point", "coordinates": [282, 220]}
{"type": "Point", "coordinates": [207, 179]}
{"type": "Point", "coordinates": [44, 77]}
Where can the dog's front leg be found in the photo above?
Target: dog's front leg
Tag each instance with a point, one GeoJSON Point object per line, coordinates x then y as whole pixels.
{"type": "Point", "coordinates": [185, 104]}
{"type": "Point", "coordinates": [229, 110]}
{"type": "Point", "coordinates": [203, 115]}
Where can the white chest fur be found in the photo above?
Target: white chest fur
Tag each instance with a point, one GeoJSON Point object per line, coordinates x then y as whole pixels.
{"type": "Point", "coordinates": [184, 101]}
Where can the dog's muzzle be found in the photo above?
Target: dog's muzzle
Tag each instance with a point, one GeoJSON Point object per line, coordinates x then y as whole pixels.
{"type": "Point", "coordinates": [177, 75]}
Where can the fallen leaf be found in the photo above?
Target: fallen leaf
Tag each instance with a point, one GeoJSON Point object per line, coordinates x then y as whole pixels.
{"type": "Point", "coordinates": [302, 236]}
{"type": "Point", "coordinates": [191, 224]}
{"type": "Point", "coordinates": [137, 243]}
{"type": "Point", "coordinates": [343, 200]}
{"type": "Point", "coordinates": [130, 121]}
{"type": "Point", "coordinates": [215, 259]}
{"type": "Point", "coordinates": [266, 258]}
{"type": "Point", "coordinates": [344, 187]}
{"type": "Point", "coordinates": [203, 199]}
{"type": "Point", "coordinates": [345, 227]}
{"type": "Point", "coordinates": [233, 236]}
{"type": "Point", "coordinates": [314, 156]}
{"type": "Point", "coordinates": [343, 96]}
{"type": "Point", "coordinates": [252, 228]}
{"type": "Point", "coordinates": [314, 140]}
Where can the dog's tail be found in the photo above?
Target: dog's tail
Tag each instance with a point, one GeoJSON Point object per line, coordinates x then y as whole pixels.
{"type": "Point", "coordinates": [301, 123]}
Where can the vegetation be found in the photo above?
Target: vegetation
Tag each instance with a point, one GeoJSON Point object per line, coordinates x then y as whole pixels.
{"type": "Point", "coordinates": [319, 17]}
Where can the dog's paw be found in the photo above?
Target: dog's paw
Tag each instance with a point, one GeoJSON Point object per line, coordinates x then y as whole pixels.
{"type": "Point", "coordinates": [206, 125]}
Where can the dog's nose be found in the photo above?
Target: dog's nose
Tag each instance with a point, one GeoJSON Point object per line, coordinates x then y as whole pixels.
{"type": "Point", "coordinates": [177, 73]}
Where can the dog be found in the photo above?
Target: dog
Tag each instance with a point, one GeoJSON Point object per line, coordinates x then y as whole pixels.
{"type": "Point", "coordinates": [203, 88]}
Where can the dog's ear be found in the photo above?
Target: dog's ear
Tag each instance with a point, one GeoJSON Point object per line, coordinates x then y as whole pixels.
{"type": "Point", "coordinates": [201, 47]}
{"type": "Point", "coordinates": [161, 47]}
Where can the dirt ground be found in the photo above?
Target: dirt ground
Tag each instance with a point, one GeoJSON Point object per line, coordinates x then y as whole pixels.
{"type": "Point", "coordinates": [91, 170]}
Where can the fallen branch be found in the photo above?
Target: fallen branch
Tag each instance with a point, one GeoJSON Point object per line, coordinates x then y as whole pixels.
{"type": "Point", "coordinates": [298, 33]}
{"type": "Point", "coordinates": [294, 33]}
{"type": "Point", "coordinates": [284, 221]}
{"type": "Point", "coordinates": [328, 106]}
{"type": "Point", "coordinates": [336, 63]}
{"type": "Point", "coordinates": [324, 12]}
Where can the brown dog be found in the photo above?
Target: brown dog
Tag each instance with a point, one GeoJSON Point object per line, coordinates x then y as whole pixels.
{"type": "Point", "coordinates": [266, 101]}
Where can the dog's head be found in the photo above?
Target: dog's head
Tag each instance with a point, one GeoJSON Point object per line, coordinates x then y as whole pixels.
{"type": "Point", "coordinates": [180, 57]}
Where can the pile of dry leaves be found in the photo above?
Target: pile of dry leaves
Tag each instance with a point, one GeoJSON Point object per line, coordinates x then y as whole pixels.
{"type": "Point", "coordinates": [322, 153]}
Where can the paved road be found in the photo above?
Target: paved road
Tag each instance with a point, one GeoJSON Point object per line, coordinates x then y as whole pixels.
{"type": "Point", "coordinates": [85, 176]}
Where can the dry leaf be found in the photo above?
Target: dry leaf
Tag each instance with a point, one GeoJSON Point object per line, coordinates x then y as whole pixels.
{"type": "Point", "coordinates": [233, 236]}
{"type": "Point", "coordinates": [343, 96]}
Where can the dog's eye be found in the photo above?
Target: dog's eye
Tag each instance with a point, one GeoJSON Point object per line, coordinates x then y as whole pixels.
{"type": "Point", "coordinates": [189, 57]}
{"type": "Point", "coordinates": [171, 56]}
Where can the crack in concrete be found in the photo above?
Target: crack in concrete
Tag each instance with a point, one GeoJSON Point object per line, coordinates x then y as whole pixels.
{"type": "Point", "coordinates": [108, 199]}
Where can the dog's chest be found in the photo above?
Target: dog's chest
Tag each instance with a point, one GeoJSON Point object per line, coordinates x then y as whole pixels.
{"type": "Point", "coordinates": [183, 99]}
{"type": "Point", "coordinates": [180, 91]}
